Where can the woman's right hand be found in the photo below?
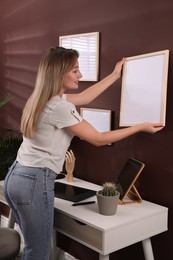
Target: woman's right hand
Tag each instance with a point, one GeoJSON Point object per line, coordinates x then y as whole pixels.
{"type": "Point", "coordinates": [151, 127]}
{"type": "Point", "coordinates": [118, 68]}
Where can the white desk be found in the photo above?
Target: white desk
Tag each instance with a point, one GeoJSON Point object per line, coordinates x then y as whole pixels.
{"type": "Point", "coordinates": [106, 234]}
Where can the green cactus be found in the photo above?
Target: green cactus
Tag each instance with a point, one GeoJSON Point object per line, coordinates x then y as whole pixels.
{"type": "Point", "coordinates": [109, 189]}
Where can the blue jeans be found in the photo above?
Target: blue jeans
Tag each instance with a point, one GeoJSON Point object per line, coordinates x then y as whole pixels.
{"type": "Point", "coordinates": [29, 192]}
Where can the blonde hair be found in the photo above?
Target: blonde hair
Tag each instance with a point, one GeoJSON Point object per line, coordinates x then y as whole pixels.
{"type": "Point", "coordinates": [54, 63]}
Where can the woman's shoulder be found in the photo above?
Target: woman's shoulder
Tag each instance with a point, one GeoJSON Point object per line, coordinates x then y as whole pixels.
{"type": "Point", "coordinates": [58, 102]}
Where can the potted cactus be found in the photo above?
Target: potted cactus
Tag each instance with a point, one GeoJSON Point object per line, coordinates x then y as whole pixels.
{"type": "Point", "coordinates": [108, 199]}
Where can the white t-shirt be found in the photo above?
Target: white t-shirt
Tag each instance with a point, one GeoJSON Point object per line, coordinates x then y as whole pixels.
{"type": "Point", "coordinates": [51, 140]}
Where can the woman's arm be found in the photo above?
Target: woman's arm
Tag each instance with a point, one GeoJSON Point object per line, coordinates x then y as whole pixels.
{"type": "Point", "coordinates": [88, 133]}
{"type": "Point", "coordinates": [88, 95]}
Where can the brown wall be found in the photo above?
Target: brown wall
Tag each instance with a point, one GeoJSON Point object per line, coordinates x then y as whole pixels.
{"type": "Point", "coordinates": [126, 28]}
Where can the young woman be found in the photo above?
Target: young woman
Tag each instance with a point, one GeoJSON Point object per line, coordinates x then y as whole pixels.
{"type": "Point", "coordinates": [49, 122]}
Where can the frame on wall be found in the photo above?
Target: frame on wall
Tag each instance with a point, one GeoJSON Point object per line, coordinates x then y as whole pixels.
{"type": "Point", "coordinates": [100, 119]}
{"type": "Point", "coordinates": [144, 89]}
{"type": "Point", "coordinates": [87, 44]}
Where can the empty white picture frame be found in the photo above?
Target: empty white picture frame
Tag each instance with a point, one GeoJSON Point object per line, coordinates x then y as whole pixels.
{"type": "Point", "coordinates": [144, 89]}
{"type": "Point", "coordinates": [100, 119]}
{"type": "Point", "coordinates": [87, 44]}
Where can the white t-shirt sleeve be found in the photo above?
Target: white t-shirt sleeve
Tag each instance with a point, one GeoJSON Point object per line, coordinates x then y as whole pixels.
{"type": "Point", "coordinates": [64, 115]}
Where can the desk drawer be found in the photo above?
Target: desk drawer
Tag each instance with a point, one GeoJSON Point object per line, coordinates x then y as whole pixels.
{"type": "Point", "coordinates": [75, 229]}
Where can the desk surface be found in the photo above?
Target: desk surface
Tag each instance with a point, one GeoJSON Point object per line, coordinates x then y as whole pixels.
{"type": "Point", "coordinates": [89, 214]}
{"type": "Point", "coordinates": [128, 213]}
{"type": "Point", "coordinates": [105, 234]}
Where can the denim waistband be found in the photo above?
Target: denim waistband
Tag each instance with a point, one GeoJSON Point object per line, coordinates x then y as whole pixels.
{"type": "Point", "coordinates": [16, 165]}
